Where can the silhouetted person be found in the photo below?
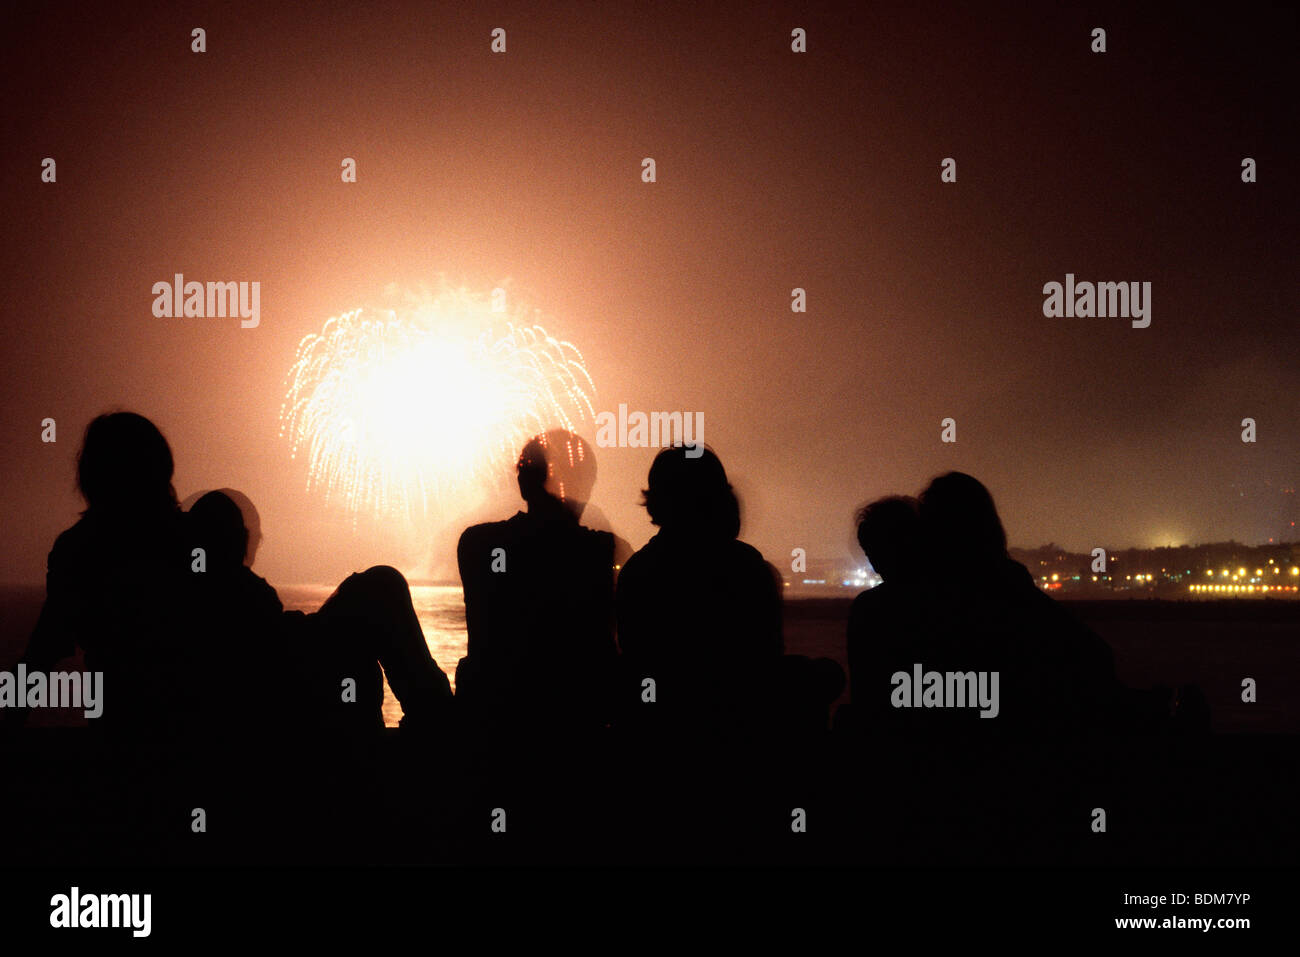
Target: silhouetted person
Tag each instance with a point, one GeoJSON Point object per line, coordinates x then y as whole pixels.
{"type": "Point", "coordinates": [236, 621]}
{"type": "Point", "coordinates": [539, 600]}
{"type": "Point", "coordinates": [1055, 674]}
{"type": "Point", "coordinates": [117, 580]}
{"type": "Point", "coordinates": [887, 623]}
{"type": "Point", "coordinates": [699, 612]}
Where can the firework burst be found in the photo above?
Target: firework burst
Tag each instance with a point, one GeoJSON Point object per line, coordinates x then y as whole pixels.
{"type": "Point", "coordinates": [398, 411]}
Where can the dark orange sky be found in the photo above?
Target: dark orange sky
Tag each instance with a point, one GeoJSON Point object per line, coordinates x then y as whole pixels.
{"type": "Point", "coordinates": [775, 170]}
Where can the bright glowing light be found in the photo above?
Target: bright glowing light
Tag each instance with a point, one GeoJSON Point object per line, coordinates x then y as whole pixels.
{"type": "Point", "coordinates": [396, 409]}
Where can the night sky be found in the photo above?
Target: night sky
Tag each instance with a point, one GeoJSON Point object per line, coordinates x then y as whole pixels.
{"type": "Point", "coordinates": [775, 170]}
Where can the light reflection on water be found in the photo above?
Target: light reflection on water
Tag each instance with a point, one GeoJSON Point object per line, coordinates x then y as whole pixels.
{"type": "Point", "coordinates": [440, 608]}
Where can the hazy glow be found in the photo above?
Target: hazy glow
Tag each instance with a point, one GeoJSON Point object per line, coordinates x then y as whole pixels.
{"type": "Point", "coordinates": [400, 409]}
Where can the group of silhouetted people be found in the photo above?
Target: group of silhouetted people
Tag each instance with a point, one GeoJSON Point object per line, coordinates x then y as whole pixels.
{"type": "Point", "coordinates": [1054, 674]}
{"type": "Point", "coordinates": [687, 635]}
{"type": "Point", "coordinates": [986, 614]}
{"type": "Point", "coordinates": [566, 632]}
{"type": "Point", "coordinates": [163, 603]}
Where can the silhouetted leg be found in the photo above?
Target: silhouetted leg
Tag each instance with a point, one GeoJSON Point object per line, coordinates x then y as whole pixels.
{"type": "Point", "coordinates": [372, 614]}
{"type": "Point", "coordinates": [330, 655]}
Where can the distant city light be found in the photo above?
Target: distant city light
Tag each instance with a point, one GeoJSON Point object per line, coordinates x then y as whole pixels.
{"type": "Point", "coordinates": [1240, 589]}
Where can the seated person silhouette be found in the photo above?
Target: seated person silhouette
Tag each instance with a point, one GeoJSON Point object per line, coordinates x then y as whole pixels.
{"type": "Point", "coordinates": [886, 628]}
{"type": "Point", "coordinates": [539, 601]}
{"type": "Point", "coordinates": [117, 580]}
{"type": "Point", "coordinates": [1055, 675]}
{"type": "Point", "coordinates": [236, 618]}
{"type": "Point", "coordinates": [368, 622]}
{"type": "Point", "coordinates": [699, 614]}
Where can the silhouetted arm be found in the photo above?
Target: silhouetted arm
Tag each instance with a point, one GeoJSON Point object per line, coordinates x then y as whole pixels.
{"type": "Point", "coordinates": [772, 624]}
{"type": "Point", "coordinates": [55, 635]}
{"type": "Point", "coordinates": [605, 615]}
{"type": "Point", "coordinates": [62, 619]}
{"type": "Point", "coordinates": [469, 557]}
{"type": "Point", "coordinates": [622, 552]}
{"type": "Point", "coordinates": [853, 647]}
{"type": "Point", "coordinates": [1098, 687]}
{"type": "Point", "coordinates": [628, 611]}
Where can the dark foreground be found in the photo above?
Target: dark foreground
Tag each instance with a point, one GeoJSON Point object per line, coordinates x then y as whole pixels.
{"type": "Point", "coordinates": [1211, 801]}
{"type": "Point", "coordinates": [1225, 798]}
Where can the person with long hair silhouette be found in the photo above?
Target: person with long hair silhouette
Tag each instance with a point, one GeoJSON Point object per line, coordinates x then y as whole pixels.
{"type": "Point", "coordinates": [700, 612]}
{"type": "Point", "coordinates": [117, 580]}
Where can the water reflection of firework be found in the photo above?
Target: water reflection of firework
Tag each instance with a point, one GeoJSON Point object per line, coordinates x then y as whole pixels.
{"type": "Point", "coordinates": [399, 409]}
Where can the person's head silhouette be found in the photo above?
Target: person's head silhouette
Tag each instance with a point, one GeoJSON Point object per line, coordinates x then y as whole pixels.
{"type": "Point", "coordinates": [217, 524]}
{"type": "Point", "coordinates": [252, 521]}
{"type": "Point", "coordinates": [125, 466]}
{"type": "Point", "coordinates": [557, 467]}
{"type": "Point", "coordinates": [961, 520]}
{"type": "Point", "coordinates": [691, 495]}
{"type": "Point", "coordinates": [889, 531]}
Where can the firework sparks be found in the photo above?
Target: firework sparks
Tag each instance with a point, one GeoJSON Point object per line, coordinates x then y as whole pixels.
{"type": "Point", "coordinates": [398, 410]}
